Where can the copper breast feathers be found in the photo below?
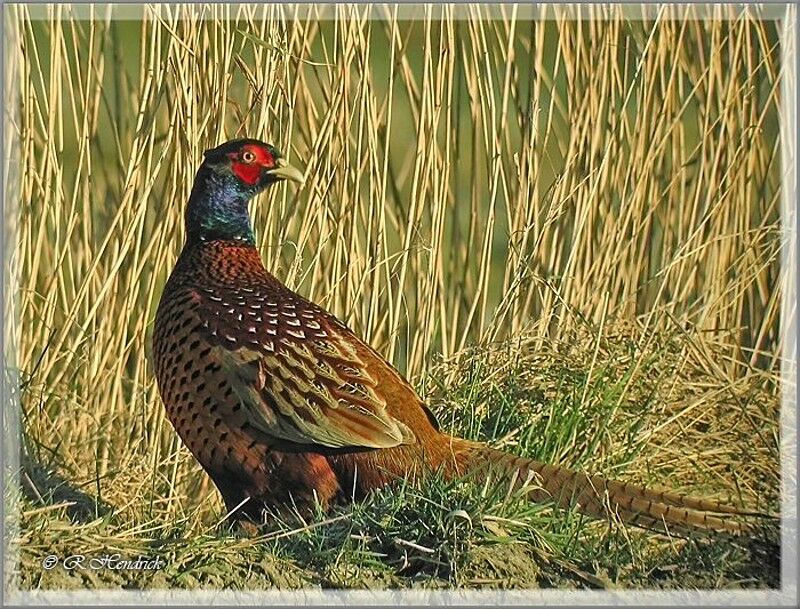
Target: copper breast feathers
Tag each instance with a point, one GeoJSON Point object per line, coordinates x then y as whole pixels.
{"type": "Point", "coordinates": [299, 374]}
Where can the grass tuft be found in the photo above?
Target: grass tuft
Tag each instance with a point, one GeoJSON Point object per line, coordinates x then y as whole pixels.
{"type": "Point", "coordinates": [463, 533]}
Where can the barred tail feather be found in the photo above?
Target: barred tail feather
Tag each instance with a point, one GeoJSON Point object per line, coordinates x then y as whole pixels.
{"type": "Point", "coordinates": [598, 497]}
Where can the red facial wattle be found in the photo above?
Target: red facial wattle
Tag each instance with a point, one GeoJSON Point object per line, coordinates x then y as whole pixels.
{"type": "Point", "coordinates": [250, 172]}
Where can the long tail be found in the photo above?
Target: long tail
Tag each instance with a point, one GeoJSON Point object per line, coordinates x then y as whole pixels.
{"type": "Point", "coordinates": [598, 497]}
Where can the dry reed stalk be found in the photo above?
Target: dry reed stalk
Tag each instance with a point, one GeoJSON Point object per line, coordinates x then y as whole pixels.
{"type": "Point", "coordinates": [466, 176]}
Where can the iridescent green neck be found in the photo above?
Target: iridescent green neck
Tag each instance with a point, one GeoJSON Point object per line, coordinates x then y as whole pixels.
{"type": "Point", "coordinates": [217, 209]}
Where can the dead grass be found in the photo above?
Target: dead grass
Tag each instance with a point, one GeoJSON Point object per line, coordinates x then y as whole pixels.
{"type": "Point", "coordinates": [538, 403]}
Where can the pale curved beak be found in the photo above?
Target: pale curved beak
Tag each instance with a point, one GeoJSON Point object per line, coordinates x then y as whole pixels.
{"type": "Point", "coordinates": [284, 171]}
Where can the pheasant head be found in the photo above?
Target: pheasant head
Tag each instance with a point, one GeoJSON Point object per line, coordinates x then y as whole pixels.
{"type": "Point", "coordinates": [231, 175]}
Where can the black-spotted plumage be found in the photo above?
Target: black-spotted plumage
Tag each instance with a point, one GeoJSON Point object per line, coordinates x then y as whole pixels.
{"type": "Point", "coordinates": [249, 371]}
{"type": "Point", "coordinates": [284, 406]}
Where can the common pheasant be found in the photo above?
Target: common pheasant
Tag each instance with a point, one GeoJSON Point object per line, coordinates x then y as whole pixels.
{"type": "Point", "coordinates": [283, 405]}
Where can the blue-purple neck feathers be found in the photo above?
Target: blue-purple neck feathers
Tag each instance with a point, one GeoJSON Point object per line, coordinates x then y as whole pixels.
{"type": "Point", "coordinates": [217, 209]}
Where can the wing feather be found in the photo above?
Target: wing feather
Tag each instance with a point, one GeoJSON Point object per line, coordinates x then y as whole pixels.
{"type": "Point", "coordinates": [303, 385]}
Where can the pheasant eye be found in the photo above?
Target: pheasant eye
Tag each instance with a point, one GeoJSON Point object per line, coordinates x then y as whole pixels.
{"type": "Point", "coordinates": [248, 156]}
